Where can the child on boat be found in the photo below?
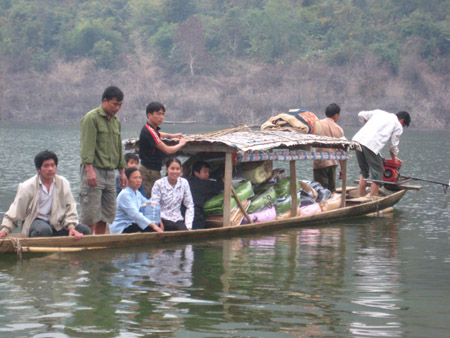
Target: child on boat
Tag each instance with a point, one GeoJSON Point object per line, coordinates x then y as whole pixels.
{"type": "Point", "coordinates": [170, 192]}
{"type": "Point", "coordinates": [129, 217]}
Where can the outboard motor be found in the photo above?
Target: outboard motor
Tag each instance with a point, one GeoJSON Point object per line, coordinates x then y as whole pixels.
{"type": "Point", "coordinates": [391, 170]}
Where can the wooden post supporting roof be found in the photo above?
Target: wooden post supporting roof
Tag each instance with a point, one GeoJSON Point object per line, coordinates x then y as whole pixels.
{"type": "Point", "coordinates": [344, 183]}
{"type": "Point", "coordinates": [293, 185]}
{"type": "Point", "coordinates": [227, 189]}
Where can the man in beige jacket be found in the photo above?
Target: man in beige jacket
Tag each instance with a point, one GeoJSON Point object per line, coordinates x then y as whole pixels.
{"type": "Point", "coordinates": [44, 204]}
{"type": "Point", "coordinates": [325, 170]}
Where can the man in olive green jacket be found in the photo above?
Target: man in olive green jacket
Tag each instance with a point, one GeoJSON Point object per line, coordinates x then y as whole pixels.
{"type": "Point", "coordinates": [101, 154]}
{"type": "Point", "coordinates": [44, 204]}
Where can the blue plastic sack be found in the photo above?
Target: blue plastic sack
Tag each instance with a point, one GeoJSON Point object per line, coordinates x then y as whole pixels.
{"type": "Point", "coordinates": [153, 213]}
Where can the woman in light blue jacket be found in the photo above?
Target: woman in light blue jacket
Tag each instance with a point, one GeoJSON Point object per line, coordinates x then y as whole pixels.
{"type": "Point", "coordinates": [129, 218]}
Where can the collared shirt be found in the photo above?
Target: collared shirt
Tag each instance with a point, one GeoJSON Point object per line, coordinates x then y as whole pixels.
{"type": "Point", "coordinates": [151, 157]}
{"type": "Point", "coordinates": [170, 199]}
{"type": "Point", "coordinates": [45, 200]}
{"type": "Point", "coordinates": [379, 127]}
{"type": "Point", "coordinates": [127, 212]}
{"type": "Point", "coordinates": [329, 128]}
{"type": "Point", "coordinates": [101, 142]}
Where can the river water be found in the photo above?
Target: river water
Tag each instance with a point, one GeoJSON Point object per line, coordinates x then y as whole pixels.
{"type": "Point", "coordinates": [365, 277]}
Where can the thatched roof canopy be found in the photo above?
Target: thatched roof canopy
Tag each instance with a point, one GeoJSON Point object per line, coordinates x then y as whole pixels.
{"type": "Point", "coordinates": [244, 140]}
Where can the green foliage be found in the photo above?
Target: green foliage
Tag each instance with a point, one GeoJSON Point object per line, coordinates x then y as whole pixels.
{"type": "Point", "coordinates": [94, 38]}
{"type": "Point", "coordinates": [162, 41]}
{"type": "Point", "coordinates": [33, 34]}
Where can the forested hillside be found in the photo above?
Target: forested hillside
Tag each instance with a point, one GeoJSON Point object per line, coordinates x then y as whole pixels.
{"type": "Point", "coordinates": [225, 60]}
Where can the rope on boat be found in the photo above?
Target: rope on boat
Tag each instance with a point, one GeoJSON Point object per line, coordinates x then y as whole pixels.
{"type": "Point", "coordinates": [17, 246]}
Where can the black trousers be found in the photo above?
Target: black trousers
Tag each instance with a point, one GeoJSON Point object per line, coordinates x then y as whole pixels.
{"type": "Point", "coordinates": [173, 226]}
{"type": "Point", "coordinates": [136, 228]}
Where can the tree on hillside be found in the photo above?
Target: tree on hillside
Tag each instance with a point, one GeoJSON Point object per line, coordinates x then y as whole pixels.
{"type": "Point", "coordinates": [178, 10]}
{"type": "Point", "coordinates": [190, 41]}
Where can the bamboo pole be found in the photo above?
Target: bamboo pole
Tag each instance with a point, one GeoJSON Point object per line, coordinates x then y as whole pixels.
{"type": "Point", "coordinates": [241, 206]}
{"type": "Point", "coordinates": [344, 183]}
{"type": "Point", "coordinates": [227, 190]}
{"type": "Point", "coordinates": [43, 249]}
{"type": "Point", "coordinates": [293, 184]}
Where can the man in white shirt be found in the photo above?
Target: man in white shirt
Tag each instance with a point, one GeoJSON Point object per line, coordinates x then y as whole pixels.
{"type": "Point", "coordinates": [44, 204]}
{"type": "Point", "coordinates": [379, 127]}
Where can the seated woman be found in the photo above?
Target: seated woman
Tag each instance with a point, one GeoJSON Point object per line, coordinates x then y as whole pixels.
{"type": "Point", "coordinates": [129, 218]}
{"type": "Point", "coordinates": [170, 192]}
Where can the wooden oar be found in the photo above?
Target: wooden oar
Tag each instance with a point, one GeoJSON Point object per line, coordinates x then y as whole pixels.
{"type": "Point", "coordinates": [238, 200]}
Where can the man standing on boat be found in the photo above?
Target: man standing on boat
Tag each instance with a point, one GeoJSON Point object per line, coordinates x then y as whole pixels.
{"type": "Point", "coordinates": [325, 170]}
{"type": "Point", "coordinates": [379, 127]}
{"type": "Point", "coordinates": [152, 150]}
{"type": "Point", "coordinates": [101, 154]}
{"type": "Point", "coordinates": [44, 204]}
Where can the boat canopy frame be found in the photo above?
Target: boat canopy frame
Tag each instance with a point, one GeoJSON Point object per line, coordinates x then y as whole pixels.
{"type": "Point", "coordinates": [242, 144]}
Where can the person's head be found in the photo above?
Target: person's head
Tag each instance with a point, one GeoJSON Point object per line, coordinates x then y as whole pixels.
{"type": "Point", "coordinates": [112, 100]}
{"type": "Point", "coordinates": [134, 178]}
{"type": "Point", "coordinates": [173, 168]}
{"type": "Point", "coordinates": [404, 118]}
{"type": "Point", "coordinates": [46, 163]}
{"type": "Point", "coordinates": [155, 112]}
{"type": "Point", "coordinates": [132, 160]}
{"type": "Point", "coordinates": [201, 170]}
{"type": "Point", "coordinates": [333, 111]}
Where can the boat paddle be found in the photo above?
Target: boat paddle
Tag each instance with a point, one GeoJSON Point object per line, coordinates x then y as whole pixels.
{"type": "Point", "coordinates": [444, 185]}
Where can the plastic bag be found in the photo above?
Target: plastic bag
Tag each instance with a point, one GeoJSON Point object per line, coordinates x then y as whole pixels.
{"type": "Point", "coordinates": [153, 213]}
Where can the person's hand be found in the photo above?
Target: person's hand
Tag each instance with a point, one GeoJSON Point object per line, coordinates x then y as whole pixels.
{"type": "Point", "coordinates": [123, 180]}
{"type": "Point", "coordinates": [340, 174]}
{"type": "Point", "coordinates": [3, 233]}
{"type": "Point", "coordinates": [76, 235]}
{"type": "Point", "coordinates": [91, 177]}
{"type": "Point", "coordinates": [156, 228]}
{"type": "Point", "coordinates": [179, 135]}
{"type": "Point", "coordinates": [182, 141]}
{"type": "Point", "coordinates": [161, 225]}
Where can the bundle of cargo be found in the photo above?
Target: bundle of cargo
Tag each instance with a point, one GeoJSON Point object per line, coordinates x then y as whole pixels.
{"type": "Point", "coordinates": [214, 206]}
{"type": "Point", "coordinates": [255, 172]}
{"type": "Point", "coordinates": [271, 201]}
{"type": "Point", "coordinates": [283, 207]}
{"type": "Point", "coordinates": [300, 120]}
{"type": "Point", "coordinates": [315, 198]}
{"type": "Point", "coordinates": [236, 217]}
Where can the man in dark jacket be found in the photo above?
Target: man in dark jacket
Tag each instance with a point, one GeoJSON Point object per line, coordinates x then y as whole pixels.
{"type": "Point", "coordinates": [202, 189]}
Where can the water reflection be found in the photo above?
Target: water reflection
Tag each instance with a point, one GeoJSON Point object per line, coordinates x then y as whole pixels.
{"type": "Point", "coordinates": [302, 282]}
{"type": "Point", "coordinates": [376, 286]}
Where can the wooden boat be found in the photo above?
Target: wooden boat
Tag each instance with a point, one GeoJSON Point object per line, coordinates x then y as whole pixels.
{"type": "Point", "coordinates": [235, 145]}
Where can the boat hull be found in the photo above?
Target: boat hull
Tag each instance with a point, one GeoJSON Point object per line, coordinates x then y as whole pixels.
{"type": "Point", "coordinates": [68, 244]}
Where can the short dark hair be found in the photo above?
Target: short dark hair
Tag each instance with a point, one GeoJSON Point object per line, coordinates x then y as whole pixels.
{"type": "Point", "coordinates": [131, 156]}
{"type": "Point", "coordinates": [405, 116]}
{"type": "Point", "coordinates": [129, 171]}
{"type": "Point", "coordinates": [44, 156]}
{"type": "Point", "coordinates": [112, 92]}
{"type": "Point", "coordinates": [154, 107]}
{"type": "Point", "coordinates": [332, 109]}
{"type": "Point", "coordinates": [170, 160]}
{"type": "Point", "coordinates": [197, 166]}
